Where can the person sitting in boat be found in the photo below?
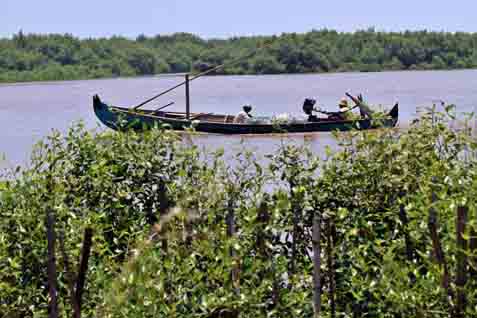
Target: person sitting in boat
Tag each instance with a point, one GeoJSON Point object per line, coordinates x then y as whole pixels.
{"type": "Point", "coordinates": [241, 117]}
{"type": "Point", "coordinates": [344, 109]}
{"type": "Point", "coordinates": [309, 108]}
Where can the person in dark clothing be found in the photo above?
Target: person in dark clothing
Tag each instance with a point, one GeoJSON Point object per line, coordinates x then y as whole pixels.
{"type": "Point", "coordinates": [308, 108]}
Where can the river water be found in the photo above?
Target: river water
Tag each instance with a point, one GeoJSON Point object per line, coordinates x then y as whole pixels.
{"type": "Point", "coordinates": [29, 111]}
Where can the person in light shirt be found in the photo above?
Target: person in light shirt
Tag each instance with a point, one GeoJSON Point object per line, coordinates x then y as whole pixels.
{"type": "Point", "coordinates": [241, 117]}
{"type": "Point", "coordinates": [345, 111]}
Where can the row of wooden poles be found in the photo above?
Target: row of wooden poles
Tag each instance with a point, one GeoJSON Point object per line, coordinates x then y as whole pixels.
{"type": "Point", "coordinates": [456, 299]}
{"type": "Point", "coordinates": [318, 222]}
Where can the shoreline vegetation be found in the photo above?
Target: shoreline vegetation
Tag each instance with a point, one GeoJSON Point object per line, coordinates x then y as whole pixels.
{"type": "Point", "coordinates": [52, 57]}
{"type": "Point", "coordinates": [140, 225]}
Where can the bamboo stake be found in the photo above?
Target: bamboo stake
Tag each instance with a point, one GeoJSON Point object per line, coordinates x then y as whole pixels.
{"type": "Point", "coordinates": [69, 277]}
{"type": "Point", "coordinates": [330, 264]}
{"type": "Point", "coordinates": [230, 220]}
{"type": "Point", "coordinates": [164, 205]}
{"type": "Point", "coordinates": [407, 240]}
{"type": "Point", "coordinates": [461, 275]}
{"type": "Point", "coordinates": [473, 253]}
{"type": "Point", "coordinates": [437, 249]}
{"type": "Point", "coordinates": [316, 241]}
{"type": "Point", "coordinates": [296, 230]}
{"type": "Point", "coordinates": [263, 219]}
{"type": "Point", "coordinates": [276, 285]}
{"type": "Point", "coordinates": [52, 283]}
{"type": "Point", "coordinates": [83, 265]}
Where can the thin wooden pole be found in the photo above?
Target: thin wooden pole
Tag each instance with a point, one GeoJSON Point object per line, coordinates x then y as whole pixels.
{"type": "Point", "coordinates": [461, 275]}
{"type": "Point", "coordinates": [69, 277]}
{"type": "Point", "coordinates": [331, 269]}
{"type": "Point", "coordinates": [51, 237]}
{"type": "Point", "coordinates": [164, 205]}
{"type": "Point", "coordinates": [295, 232]}
{"type": "Point", "coordinates": [187, 95]}
{"type": "Point", "coordinates": [231, 230]}
{"type": "Point", "coordinates": [439, 256]}
{"type": "Point", "coordinates": [316, 241]}
{"type": "Point", "coordinates": [473, 253]}
{"type": "Point", "coordinates": [83, 266]}
{"type": "Point", "coordinates": [407, 239]}
{"type": "Point", "coordinates": [262, 237]}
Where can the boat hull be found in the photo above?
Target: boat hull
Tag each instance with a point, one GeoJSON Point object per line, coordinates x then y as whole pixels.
{"type": "Point", "coordinates": [119, 118]}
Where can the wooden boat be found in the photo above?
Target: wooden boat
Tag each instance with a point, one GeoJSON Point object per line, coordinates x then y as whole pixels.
{"type": "Point", "coordinates": [119, 118]}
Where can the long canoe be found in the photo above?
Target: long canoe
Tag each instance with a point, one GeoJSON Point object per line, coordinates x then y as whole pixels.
{"type": "Point", "coordinates": [119, 118]}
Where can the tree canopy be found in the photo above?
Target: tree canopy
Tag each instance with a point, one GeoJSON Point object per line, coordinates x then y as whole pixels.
{"type": "Point", "coordinates": [31, 57]}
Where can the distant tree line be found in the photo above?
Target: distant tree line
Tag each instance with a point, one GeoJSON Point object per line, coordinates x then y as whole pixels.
{"type": "Point", "coordinates": [31, 57]}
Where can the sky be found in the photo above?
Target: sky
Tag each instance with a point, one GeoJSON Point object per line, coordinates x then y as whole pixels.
{"type": "Point", "coordinates": [225, 18]}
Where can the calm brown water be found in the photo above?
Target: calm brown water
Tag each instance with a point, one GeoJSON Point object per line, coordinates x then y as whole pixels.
{"type": "Point", "coordinates": [29, 111]}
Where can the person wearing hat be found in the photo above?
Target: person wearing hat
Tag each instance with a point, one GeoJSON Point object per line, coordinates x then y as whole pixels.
{"type": "Point", "coordinates": [344, 109]}
{"type": "Point", "coordinates": [241, 117]}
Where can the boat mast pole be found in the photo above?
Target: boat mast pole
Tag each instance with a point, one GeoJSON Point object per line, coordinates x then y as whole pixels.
{"type": "Point", "coordinates": [265, 45]}
{"type": "Point", "coordinates": [187, 95]}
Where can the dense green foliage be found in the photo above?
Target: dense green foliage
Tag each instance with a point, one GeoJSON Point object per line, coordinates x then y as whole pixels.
{"type": "Point", "coordinates": [60, 57]}
{"type": "Point", "coordinates": [180, 233]}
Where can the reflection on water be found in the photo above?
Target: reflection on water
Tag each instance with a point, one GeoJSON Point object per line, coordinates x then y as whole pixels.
{"type": "Point", "coordinates": [29, 111]}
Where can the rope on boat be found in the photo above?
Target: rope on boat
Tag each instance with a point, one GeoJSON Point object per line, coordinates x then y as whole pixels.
{"type": "Point", "coordinates": [237, 60]}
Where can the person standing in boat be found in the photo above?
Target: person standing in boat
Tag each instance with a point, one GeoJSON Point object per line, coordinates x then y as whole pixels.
{"type": "Point", "coordinates": [244, 115]}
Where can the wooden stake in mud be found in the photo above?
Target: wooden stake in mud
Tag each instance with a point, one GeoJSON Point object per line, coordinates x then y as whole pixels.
{"type": "Point", "coordinates": [230, 220]}
{"type": "Point", "coordinates": [437, 248]}
{"type": "Point", "coordinates": [407, 239]}
{"type": "Point", "coordinates": [330, 264]}
{"type": "Point", "coordinates": [83, 266]}
{"type": "Point", "coordinates": [461, 275]}
{"type": "Point", "coordinates": [296, 233]}
{"type": "Point", "coordinates": [316, 241]}
{"type": "Point", "coordinates": [262, 237]}
{"type": "Point", "coordinates": [51, 237]}
{"type": "Point", "coordinates": [69, 277]}
{"type": "Point", "coordinates": [473, 253]}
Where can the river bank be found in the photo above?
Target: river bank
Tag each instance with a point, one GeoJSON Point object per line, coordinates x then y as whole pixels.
{"type": "Point", "coordinates": [28, 57]}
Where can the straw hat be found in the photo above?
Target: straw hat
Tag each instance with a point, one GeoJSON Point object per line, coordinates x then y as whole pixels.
{"type": "Point", "coordinates": [343, 103]}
